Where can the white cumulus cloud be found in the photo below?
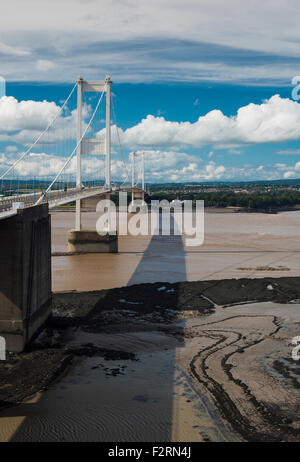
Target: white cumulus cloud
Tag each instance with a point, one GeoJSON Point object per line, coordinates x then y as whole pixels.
{"type": "Point", "coordinates": [274, 120]}
{"type": "Point", "coordinates": [21, 115]}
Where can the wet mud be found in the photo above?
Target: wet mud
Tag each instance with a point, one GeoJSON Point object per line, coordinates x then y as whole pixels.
{"type": "Point", "coordinates": [202, 361]}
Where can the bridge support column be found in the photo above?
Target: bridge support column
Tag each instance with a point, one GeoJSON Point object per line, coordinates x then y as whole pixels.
{"type": "Point", "coordinates": [25, 275]}
{"type": "Point", "coordinates": [136, 199]}
{"type": "Point", "coordinates": [78, 215]}
{"type": "Point", "coordinates": [139, 195]}
{"type": "Point", "coordinates": [89, 241]}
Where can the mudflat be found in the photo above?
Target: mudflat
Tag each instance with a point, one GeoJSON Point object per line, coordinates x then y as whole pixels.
{"type": "Point", "coordinates": [190, 361]}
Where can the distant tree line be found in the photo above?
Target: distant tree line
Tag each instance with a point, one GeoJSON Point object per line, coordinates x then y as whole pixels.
{"type": "Point", "coordinates": [255, 200]}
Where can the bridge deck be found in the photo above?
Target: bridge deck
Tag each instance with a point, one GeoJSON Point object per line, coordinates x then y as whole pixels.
{"type": "Point", "coordinates": [54, 198]}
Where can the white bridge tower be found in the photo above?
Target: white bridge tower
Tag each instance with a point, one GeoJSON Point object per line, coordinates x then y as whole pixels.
{"type": "Point", "coordinates": [95, 146]}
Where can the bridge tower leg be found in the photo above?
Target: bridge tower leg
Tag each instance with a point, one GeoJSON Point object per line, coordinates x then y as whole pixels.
{"type": "Point", "coordinates": [132, 175]}
{"type": "Point", "coordinates": [143, 171]}
{"type": "Point", "coordinates": [134, 193]}
{"type": "Point", "coordinates": [89, 241]}
{"type": "Point", "coordinates": [79, 151]}
{"type": "Point", "coordinates": [108, 83]}
{"type": "Point", "coordinates": [143, 176]}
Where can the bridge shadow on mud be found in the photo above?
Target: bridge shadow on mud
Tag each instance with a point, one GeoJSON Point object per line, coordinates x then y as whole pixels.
{"type": "Point", "coordinates": [99, 400]}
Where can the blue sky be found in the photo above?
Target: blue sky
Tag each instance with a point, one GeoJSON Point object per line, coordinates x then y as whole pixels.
{"type": "Point", "coordinates": [175, 63]}
{"type": "Point", "coordinates": [180, 102]}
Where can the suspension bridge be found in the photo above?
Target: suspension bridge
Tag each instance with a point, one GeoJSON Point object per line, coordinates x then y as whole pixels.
{"type": "Point", "coordinates": [68, 161]}
{"type": "Point", "coordinates": [90, 153]}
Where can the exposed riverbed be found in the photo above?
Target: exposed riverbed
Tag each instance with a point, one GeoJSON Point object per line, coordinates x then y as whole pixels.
{"type": "Point", "coordinates": [160, 363]}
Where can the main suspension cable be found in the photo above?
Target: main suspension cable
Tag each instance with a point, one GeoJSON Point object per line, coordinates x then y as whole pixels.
{"type": "Point", "coordinates": [40, 136]}
{"type": "Point", "coordinates": [119, 141]}
{"type": "Point", "coordinates": [72, 153]}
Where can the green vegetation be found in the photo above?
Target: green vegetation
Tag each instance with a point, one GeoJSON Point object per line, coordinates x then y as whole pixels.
{"type": "Point", "coordinates": [251, 195]}
{"type": "Point", "coordinates": [263, 200]}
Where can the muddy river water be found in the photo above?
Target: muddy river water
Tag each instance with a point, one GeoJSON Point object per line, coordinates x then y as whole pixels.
{"type": "Point", "coordinates": [232, 241]}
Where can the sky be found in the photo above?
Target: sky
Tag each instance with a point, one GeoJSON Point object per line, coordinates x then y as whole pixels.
{"type": "Point", "coordinates": [206, 88]}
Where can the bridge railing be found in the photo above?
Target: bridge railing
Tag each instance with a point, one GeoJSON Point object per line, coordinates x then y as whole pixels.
{"type": "Point", "coordinates": [71, 194]}
{"type": "Point", "coordinates": [57, 197]}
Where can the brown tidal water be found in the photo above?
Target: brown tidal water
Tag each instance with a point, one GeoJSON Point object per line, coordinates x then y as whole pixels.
{"type": "Point", "coordinates": [232, 241]}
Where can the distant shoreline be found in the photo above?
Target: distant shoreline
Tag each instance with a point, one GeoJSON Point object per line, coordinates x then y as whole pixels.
{"type": "Point", "coordinates": [207, 210]}
{"type": "Point", "coordinates": [271, 211]}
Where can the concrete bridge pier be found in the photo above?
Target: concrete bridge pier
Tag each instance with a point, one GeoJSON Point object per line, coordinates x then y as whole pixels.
{"type": "Point", "coordinates": [137, 195]}
{"type": "Point", "coordinates": [25, 275]}
{"type": "Point", "coordinates": [137, 198]}
{"type": "Point", "coordinates": [88, 240]}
